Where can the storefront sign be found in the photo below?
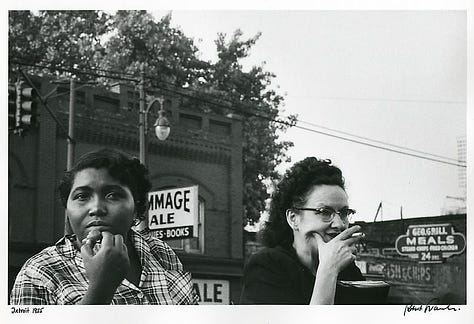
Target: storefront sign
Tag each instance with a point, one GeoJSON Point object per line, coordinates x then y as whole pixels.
{"type": "Point", "coordinates": [375, 268]}
{"type": "Point", "coordinates": [430, 243]}
{"type": "Point", "coordinates": [173, 213]}
{"type": "Point", "coordinates": [212, 292]}
{"type": "Point", "coordinates": [408, 273]}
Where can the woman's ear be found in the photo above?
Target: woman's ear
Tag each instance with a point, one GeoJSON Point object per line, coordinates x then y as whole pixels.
{"type": "Point", "coordinates": [292, 219]}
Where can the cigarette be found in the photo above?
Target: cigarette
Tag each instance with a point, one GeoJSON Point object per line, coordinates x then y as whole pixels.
{"type": "Point", "coordinates": [358, 234]}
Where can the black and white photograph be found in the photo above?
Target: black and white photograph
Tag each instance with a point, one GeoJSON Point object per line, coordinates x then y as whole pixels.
{"type": "Point", "coordinates": [235, 164]}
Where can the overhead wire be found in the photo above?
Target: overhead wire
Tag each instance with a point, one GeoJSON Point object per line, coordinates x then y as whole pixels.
{"type": "Point", "coordinates": [377, 141]}
{"type": "Point", "coordinates": [380, 147]}
{"type": "Point", "coordinates": [230, 105]}
{"type": "Point", "coordinates": [74, 71]}
{"type": "Point", "coordinates": [389, 100]}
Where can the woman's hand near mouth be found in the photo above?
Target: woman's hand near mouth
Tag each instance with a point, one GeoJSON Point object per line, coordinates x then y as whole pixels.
{"type": "Point", "coordinates": [333, 257]}
{"type": "Point", "coordinates": [336, 254]}
{"type": "Point", "coordinates": [94, 236]}
{"type": "Point", "coordinates": [106, 266]}
{"type": "Point", "coordinates": [93, 239]}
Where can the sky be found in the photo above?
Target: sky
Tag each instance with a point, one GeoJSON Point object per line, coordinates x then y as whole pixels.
{"type": "Point", "coordinates": [393, 76]}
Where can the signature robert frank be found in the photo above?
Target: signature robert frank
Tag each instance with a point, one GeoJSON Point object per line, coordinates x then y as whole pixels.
{"type": "Point", "coordinates": [428, 308]}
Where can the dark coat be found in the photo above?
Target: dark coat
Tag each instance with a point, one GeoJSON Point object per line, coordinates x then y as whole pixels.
{"type": "Point", "coordinates": [276, 276]}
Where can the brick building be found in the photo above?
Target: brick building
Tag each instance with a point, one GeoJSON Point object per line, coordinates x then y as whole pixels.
{"type": "Point", "coordinates": [202, 149]}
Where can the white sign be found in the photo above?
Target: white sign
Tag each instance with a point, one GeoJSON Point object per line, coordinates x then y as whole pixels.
{"type": "Point", "coordinates": [430, 243]}
{"type": "Point", "coordinates": [212, 292]}
{"type": "Point", "coordinates": [173, 213]}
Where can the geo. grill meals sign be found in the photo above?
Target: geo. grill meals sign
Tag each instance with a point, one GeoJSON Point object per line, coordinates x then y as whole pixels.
{"type": "Point", "coordinates": [430, 243]}
{"type": "Point", "coordinates": [173, 213]}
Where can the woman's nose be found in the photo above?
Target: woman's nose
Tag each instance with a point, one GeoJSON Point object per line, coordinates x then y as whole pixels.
{"type": "Point", "coordinates": [97, 207]}
{"type": "Point", "coordinates": [338, 222]}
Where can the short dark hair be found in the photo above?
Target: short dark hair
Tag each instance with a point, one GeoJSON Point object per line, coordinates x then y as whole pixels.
{"type": "Point", "coordinates": [126, 169]}
{"type": "Point", "coordinates": [292, 191]}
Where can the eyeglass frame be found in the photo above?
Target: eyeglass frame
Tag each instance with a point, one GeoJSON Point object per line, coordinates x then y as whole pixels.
{"type": "Point", "coordinates": [318, 211]}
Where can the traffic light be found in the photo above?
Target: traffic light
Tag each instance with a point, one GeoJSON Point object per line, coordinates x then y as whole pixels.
{"type": "Point", "coordinates": [11, 106]}
{"type": "Point", "coordinates": [25, 114]}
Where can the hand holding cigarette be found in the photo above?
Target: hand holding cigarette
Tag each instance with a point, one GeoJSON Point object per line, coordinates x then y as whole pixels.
{"type": "Point", "coordinates": [336, 254]}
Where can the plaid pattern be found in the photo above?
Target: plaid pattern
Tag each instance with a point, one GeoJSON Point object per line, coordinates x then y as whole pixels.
{"type": "Point", "coordinates": [56, 276]}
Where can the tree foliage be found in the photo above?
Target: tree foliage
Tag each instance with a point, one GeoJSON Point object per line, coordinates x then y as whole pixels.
{"type": "Point", "coordinates": [262, 151]}
{"type": "Point", "coordinates": [166, 53]}
{"type": "Point", "coordinates": [126, 40]}
{"type": "Point", "coordinates": [66, 39]}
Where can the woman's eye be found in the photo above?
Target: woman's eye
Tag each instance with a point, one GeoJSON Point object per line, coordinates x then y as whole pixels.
{"type": "Point", "coordinates": [113, 195]}
{"type": "Point", "coordinates": [327, 212]}
{"type": "Point", "coordinates": [81, 196]}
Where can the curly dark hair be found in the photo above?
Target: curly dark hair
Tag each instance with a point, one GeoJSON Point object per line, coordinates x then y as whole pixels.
{"type": "Point", "coordinates": [292, 191]}
{"type": "Point", "coordinates": [126, 169]}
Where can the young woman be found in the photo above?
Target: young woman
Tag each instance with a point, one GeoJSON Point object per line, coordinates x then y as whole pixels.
{"type": "Point", "coordinates": [309, 244]}
{"type": "Point", "coordinates": [104, 261]}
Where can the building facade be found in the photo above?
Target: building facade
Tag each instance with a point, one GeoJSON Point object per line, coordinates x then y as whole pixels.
{"type": "Point", "coordinates": [202, 150]}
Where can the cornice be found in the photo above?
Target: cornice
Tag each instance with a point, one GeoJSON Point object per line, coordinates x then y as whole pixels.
{"type": "Point", "coordinates": [183, 144]}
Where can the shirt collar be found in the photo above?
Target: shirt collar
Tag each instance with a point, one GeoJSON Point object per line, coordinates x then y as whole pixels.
{"type": "Point", "coordinates": [141, 246]}
{"type": "Point", "coordinates": [68, 246]}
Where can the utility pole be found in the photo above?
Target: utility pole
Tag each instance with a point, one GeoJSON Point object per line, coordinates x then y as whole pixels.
{"type": "Point", "coordinates": [141, 126]}
{"type": "Point", "coordinates": [70, 141]}
{"type": "Point", "coordinates": [379, 210]}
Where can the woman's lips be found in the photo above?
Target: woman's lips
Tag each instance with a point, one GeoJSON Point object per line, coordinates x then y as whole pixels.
{"type": "Point", "coordinates": [96, 223]}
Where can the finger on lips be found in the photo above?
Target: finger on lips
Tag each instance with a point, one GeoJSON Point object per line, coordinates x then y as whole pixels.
{"type": "Point", "coordinates": [93, 237]}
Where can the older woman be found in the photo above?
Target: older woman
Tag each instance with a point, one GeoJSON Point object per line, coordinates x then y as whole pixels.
{"type": "Point", "coordinates": [105, 261]}
{"type": "Point", "coordinates": [309, 244]}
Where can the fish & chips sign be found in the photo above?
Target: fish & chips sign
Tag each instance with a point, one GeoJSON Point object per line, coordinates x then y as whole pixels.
{"type": "Point", "coordinates": [173, 213]}
{"type": "Point", "coordinates": [430, 243]}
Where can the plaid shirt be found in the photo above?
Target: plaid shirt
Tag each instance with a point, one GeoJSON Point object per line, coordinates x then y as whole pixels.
{"type": "Point", "coordinates": [57, 275]}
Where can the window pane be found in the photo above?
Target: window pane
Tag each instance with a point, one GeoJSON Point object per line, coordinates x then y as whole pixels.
{"type": "Point", "coordinates": [196, 244]}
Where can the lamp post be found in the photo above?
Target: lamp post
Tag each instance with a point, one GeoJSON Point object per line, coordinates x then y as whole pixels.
{"type": "Point", "coordinates": [161, 125]}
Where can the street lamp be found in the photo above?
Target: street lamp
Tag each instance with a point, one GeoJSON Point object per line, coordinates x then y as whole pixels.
{"type": "Point", "coordinates": [161, 125]}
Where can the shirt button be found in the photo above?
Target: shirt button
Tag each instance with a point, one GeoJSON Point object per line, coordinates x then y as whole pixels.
{"type": "Point", "coordinates": [140, 295]}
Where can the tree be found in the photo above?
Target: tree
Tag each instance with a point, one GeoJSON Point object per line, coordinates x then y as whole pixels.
{"type": "Point", "coordinates": [124, 41]}
{"type": "Point", "coordinates": [64, 39]}
{"type": "Point", "coordinates": [262, 151]}
{"type": "Point", "coordinates": [167, 54]}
